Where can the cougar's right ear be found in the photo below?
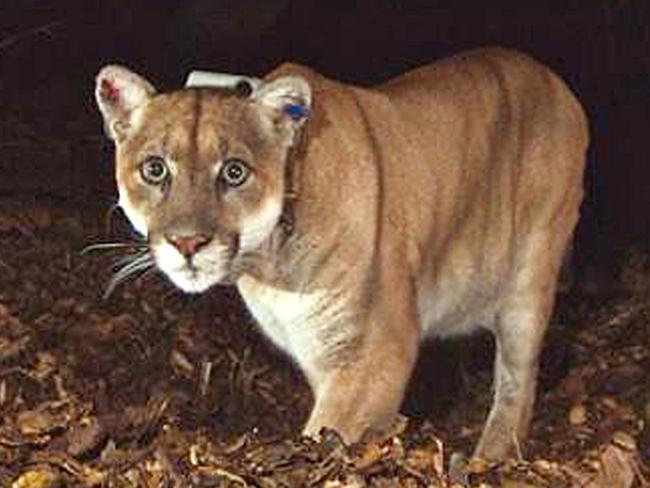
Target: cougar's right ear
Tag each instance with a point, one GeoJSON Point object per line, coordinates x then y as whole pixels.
{"type": "Point", "coordinates": [119, 92]}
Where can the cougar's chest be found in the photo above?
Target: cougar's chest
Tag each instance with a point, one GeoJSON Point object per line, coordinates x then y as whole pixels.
{"type": "Point", "coordinates": [301, 324]}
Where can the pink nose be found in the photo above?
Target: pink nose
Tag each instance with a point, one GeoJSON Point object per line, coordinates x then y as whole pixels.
{"type": "Point", "coordinates": [188, 245]}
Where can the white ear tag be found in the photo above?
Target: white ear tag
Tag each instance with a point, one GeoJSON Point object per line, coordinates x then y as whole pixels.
{"type": "Point", "coordinates": [220, 80]}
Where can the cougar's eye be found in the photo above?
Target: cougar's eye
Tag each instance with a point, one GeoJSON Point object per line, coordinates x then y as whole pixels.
{"type": "Point", "coordinates": [154, 170]}
{"type": "Point", "coordinates": [234, 172]}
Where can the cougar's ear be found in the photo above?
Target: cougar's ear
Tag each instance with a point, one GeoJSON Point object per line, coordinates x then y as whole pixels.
{"type": "Point", "coordinates": [285, 102]}
{"type": "Point", "coordinates": [119, 92]}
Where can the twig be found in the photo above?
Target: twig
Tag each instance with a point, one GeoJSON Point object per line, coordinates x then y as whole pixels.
{"type": "Point", "coordinates": [163, 459]}
{"type": "Point", "coordinates": [232, 477]}
{"type": "Point", "coordinates": [43, 29]}
{"type": "Point", "coordinates": [515, 439]}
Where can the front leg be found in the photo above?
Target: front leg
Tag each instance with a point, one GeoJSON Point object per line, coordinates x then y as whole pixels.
{"type": "Point", "coordinates": [367, 390]}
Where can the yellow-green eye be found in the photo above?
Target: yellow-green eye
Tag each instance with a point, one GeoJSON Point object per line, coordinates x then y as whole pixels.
{"type": "Point", "coordinates": [234, 172]}
{"type": "Point", "coordinates": [154, 170]}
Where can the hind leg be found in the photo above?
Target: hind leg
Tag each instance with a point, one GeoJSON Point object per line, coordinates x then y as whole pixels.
{"type": "Point", "coordinates": [519, 331]}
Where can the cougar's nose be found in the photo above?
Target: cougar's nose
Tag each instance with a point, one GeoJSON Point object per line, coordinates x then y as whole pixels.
{"type": "Point", "coordinates": [188, 246]}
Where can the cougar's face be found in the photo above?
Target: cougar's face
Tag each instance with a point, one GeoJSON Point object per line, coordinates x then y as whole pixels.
{"type": "Point", "coordinates": [200, 172]}
{"type": "Point", "coordinates": [201, 180]}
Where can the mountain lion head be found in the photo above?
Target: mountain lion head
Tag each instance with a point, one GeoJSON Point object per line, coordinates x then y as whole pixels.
{"type": "Point", "coordinates": [200, 171]}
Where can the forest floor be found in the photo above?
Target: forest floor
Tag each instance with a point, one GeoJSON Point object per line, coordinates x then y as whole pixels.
{"type": "Point", "coordinates": [151, 388]}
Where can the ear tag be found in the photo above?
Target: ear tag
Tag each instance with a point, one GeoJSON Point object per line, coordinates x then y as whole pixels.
{"type": "Point", "coordinates": [296, 112]}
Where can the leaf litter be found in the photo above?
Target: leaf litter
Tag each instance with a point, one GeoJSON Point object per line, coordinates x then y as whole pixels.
{"type": "Point", "coordinates": [155, 389]}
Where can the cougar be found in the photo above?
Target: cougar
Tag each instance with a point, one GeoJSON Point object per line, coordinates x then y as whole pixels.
{"type": "Point", "coordinates": [355, 222]}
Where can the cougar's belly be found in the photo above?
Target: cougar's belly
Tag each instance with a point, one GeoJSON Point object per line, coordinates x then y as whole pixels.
{"type": "Point", "coordinates": [451, 306]}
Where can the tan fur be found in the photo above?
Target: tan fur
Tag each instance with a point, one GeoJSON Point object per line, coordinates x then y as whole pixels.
{"type": "Point", "coordinates": [433, 204]}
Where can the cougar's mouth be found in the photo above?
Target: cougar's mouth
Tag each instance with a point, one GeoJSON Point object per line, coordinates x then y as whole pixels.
{"type": "Point", "coordinates": [218, 261]}
{"type": "Point", "coordinates": [207, 267]}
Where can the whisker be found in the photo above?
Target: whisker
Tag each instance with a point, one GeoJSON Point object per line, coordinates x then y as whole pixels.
{"type": "Point", "coordinates": [134, 261]}
{"type": "Point", "coordinates": [127, 259]}
{"type": "Point", "coordinates": [108, 218]}
{"type": "Point", "coordinates": [119, 278]}
{"type": "Point", "coordinates": [143, 262]}
{"type": "Point", "coordinates": [131, 268]}
{"type": "Point", "coordinates": [102, 246]}
{"type": "Point", "coordinates": [146, 273]}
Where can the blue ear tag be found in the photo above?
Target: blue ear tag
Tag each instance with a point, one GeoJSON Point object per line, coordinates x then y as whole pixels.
{"type": "Point", "coordinates": [296, 112]}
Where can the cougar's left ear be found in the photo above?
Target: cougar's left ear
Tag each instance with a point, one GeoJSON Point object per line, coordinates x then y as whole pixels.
{"type": "Point", "coordinates": [119, 92]}
{"type": "Point", "coordinates": [286, 102]}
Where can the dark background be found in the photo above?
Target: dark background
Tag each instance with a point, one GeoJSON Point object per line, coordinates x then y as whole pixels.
{"type": "Point", "coordinates": [51, 143]}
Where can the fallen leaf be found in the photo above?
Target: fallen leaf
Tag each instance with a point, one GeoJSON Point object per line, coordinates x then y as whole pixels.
{"type": "Point", "coordinates": [40, 477]}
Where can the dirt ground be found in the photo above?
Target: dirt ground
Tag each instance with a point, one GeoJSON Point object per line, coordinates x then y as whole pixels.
{"type": "Point", "coordinates": [150, 388]}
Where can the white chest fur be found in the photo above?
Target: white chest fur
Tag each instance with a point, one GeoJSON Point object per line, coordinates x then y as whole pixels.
{"type": "Point", "coordinates": [307, 326]}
